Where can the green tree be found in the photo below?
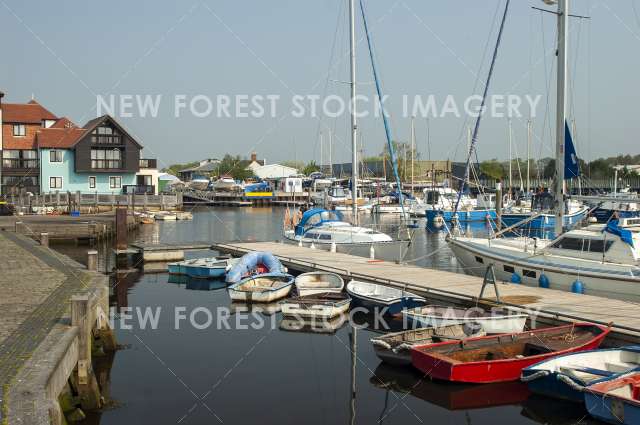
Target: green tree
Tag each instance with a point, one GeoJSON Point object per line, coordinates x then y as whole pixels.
{"type": "Point", "coordinates": [235, 167]}
{"type": "Point", "coordinates": [311, 167]}
{"type": "Point", "coordinates": [174, 168]}
{"type": "Point", "coordinates": [493, 169]}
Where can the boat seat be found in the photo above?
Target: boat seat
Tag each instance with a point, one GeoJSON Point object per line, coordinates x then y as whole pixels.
{"type": "Point", "coordinates": [532, 349]}
{"type": "Point", "coordinates": [583, 369]}
{"type": "Point", "coordinates": [620, 367]}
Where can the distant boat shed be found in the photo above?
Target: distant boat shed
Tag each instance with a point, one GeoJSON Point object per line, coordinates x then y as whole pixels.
{"type": "Point", "coordinates": [274, 172]}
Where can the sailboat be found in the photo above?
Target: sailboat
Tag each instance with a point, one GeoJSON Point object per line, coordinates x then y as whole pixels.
{"type": "Point", "coordinates": [597, 260]}
{"type": "Point", "coordinates": [327, 229]}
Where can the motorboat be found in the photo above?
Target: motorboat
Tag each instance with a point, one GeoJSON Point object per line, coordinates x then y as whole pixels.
{"type": "Point", "coordinates": [491, 322]}
{"type": "Point", "coordinates": [318, 282]}
{"type": "Point", "coordinates": [383, 299]}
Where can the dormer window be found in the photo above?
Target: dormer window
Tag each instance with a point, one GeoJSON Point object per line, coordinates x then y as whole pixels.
{"type": "Point", "coordinates": [106, 135]}
{"type": "Point", "coordinates": [19, 130]}
{"type": "Point", "coordinates": [48, 123]}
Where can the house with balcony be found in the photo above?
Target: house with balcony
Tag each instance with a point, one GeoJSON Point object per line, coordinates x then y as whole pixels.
{"type": "Point", "coordinates": [20, 158]}
{"type": "Point", "coordinates": [44, 153]}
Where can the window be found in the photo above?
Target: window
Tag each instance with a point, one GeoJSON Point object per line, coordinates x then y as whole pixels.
{"type": "Point", "coordinates": [479, 260]}
{"type": "Point", "coordinates": [508, 269]}
{"type": "Point", "coordinates": [325, 237]}
{"type": "Point", "coordinates": [55, 156]}
{"type": "Point", "coordinates": [106, 158]}
{"type": "Point", "coordinates": [19, 130]}
{"type": "Point", "coordinates": [529, 273]}
{"type": "Point", "coordinates": [583, 245]}
{"type": "Point", "coordinates": [55, 182]}
{"type": "Point", "coordinates": [13, 158]}
{"type": "Point", "coordinates": [48, 123]}
{"type": "Point", "coordinates": [106, 135]}
{"type": "Point", "coordinates": [115, 182]}
{"type": "Point", "coordinates": [92, 182]}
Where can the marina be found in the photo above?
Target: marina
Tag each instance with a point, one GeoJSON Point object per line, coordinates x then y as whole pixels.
{"type": "Point", "coordinates": [448, 232]}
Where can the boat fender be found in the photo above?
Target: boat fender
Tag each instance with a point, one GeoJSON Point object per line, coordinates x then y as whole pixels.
{"type": "Point", "coordinates": [577, 287]}
{"type": "Point", "coordinates": [534, 376]}
{"type": "Point", "coordinates": [543, 281]}
{"type": "Point", "coordinates": [515, 278]}
{"type": "Point", "coordinates": [382, 344]}
{"type": "Point", "coordinates": [570, 382]}
{"type": "Point", "coordinates": [401, 348]}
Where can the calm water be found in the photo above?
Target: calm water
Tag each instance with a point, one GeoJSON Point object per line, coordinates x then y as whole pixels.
{"type": "Point", "coordinates": [268, 375]}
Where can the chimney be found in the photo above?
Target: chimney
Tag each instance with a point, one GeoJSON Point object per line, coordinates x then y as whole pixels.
{"type": "Point", "coordinates": [1, 96]}
{"type": "Point", "coordinates": [254, 157]}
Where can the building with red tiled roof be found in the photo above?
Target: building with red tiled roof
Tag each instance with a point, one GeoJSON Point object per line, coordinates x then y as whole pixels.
{"type": "Point", "coordinates": [42, 153]}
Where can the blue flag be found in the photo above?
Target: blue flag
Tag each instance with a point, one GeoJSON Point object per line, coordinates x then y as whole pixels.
{"type": "Point", "coordinates": [571, 165]}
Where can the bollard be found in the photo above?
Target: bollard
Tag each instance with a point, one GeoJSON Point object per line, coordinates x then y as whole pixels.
{"type": "Point", "coordinates": [121, 229]}
{"type": "Point", "coordinates": [92, 260]}
{"type": "Point", "coordinates": [44, 239]}
{"type": "Point", "coordinates": [18, 226]}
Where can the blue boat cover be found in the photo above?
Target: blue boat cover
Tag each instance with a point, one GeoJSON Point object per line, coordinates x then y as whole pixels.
{"type": "Point", "coordinates": [315, 217]}
{"type": "Point", "coordinates": [250, 261]}
{"type": "Point", "coordinates": [257, 187]}
{"type": "Point", "coordinates": [615, 229]}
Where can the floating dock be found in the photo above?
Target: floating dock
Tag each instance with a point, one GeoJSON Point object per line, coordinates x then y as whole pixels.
{"type": "Point", "coordinates": [166, 251]}
{"type": "Point", "coordinates": [550, 306]}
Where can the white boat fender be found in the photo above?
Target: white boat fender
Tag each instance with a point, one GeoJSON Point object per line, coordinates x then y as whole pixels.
{"type": "Point", "coordinates": [312, 246]}
{"type": "Point", "coordinates": [372, 253]}
{"type": "Point", "coordinates": [534, 376]}
{"type": "Point", "coordinates": [333, 247]}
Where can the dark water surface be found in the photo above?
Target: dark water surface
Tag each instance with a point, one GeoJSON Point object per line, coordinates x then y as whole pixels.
{"type": "Point", "coordinates": [254, 372]}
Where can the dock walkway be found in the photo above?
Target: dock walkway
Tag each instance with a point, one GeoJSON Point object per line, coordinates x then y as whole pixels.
{"type": "Point", "coordinates": [553, 306]}
{"type": "Point", "coordinates": [36, 285]}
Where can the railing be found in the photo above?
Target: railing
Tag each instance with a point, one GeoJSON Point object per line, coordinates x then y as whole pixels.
{"type": "Point", "coordinates": [148, 163]}
{"type": "Point", "coordinates": [139, 189]}
{"type": "Point", "coordinates": [77, 199]}
{"type": "Point", "coordinates": [19, 164]}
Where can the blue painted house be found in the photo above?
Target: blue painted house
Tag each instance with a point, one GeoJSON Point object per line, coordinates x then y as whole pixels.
{"type": "Point", "coordinates": [99, 157]}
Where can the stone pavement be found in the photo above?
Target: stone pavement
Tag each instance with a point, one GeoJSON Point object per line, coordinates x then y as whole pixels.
{"type": "Point", "coordinates": [36, 284]}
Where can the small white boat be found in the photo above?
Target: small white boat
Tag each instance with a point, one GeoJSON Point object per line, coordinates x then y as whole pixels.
{"type": "Point", "coordinates": [318, 282]}
{"type": "Point", "coordinates": [491, 322]}
{"type": "Point", "coordinates": [324, 305]}
{"type": "Point", "coordinates": [262, 288]}
{"type": "Point", "coordinates": [395, 348]}
{"type": "Point", "coordinates": [165, 215]}
{"type": "Point", "coordinates": [184, 215]}
{"type": "Point", "coordinates": [565, 377]}
{"type": "Point", "coordinates": [383, 298]}
{"type": "Point", "coordinates": [313, 325]}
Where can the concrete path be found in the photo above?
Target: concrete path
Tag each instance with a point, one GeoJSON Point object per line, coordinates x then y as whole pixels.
{"type": "Point", "coordinates": [36, 284]}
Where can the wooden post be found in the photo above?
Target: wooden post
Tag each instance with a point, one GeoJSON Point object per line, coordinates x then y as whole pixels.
{"type": "Point", "coordinates": [87, 385]}
{"type": "Point", "coordinates": [92, 260]}
{"type": "Point", "coordinates": [121, 229]}
{"type": "Point", "coordinates": [44, 239]}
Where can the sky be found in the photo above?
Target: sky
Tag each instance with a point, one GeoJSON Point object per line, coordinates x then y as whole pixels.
{"type": "Point", "coordinates": [69, 55]}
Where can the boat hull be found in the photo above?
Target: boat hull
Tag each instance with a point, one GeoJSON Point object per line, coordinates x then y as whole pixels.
{"type": "Point", "coordinates": [205, 272]}
{"type": "Point", "coordinates": [291, 308]}
{"type": "Point", "coordinates": [489, 371]}
{"type": "Point", "coordinates": [560, 276]}
{"type": "Point", "coordinates": [390, 251]}
{"type": "Point", "coordinates": [543, 221]}
{"type": "Point", "coordinates": [497, 325]}
{"type": "Point", "coordinates": [462, 215]}
{"type": "Point", "coordinates": [239, 292]}
{"type": "Point", "coordinates": [603, 403]}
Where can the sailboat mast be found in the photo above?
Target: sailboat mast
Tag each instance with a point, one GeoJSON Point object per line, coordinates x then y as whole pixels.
{"type": "Point", "coordinates": [561, 110]}
{"type": "Point", "coordinates": [510, 159]}
{"type": "Point", "coordinates": [354, 124]}
{"type": "Point", "coordinates": [413, 146]}
{"type": "Point", "coordinates": [321, 158]}
{"type": "Point", "coordinates": [528, 155]}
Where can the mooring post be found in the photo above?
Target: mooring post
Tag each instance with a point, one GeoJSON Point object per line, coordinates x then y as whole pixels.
{"type": "Point", "coordinates": [44, 239]}
{"type": "Point", "coordinates": [87, 385]}
{"type": "Point", "coordinates": [92, 260]}
{"type": "Point", "coordinates": [18, 226]}
{"type": "Point", "coordinates": [121, 229]}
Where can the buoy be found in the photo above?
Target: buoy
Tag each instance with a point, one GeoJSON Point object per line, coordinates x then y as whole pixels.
{"type": "Point", "coordinates": [543, 281]}
{"type": "Point", "coordinates": [372, 253]}
{"type": "Point", "coordinates": [577, 287]}
{"type": "Point", "coordinates": [515, 278]}
{"type": "Point", "coordinates": [592, 219]}
{"type": "Point", "coordinates": [333, 247]}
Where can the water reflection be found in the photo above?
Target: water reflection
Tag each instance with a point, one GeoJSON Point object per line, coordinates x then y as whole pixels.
{"type": "Point", "coordinates": [314, 326]}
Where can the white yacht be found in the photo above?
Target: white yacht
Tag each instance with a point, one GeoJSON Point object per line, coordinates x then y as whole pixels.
{"type": "Point", "coordinates": [598, 260]}
{"type": "Point", "coordinates": [326, 229]}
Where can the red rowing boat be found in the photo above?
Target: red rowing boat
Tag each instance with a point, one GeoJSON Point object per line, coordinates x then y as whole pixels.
{"type": "Point", "coordinates": [501, 358]}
